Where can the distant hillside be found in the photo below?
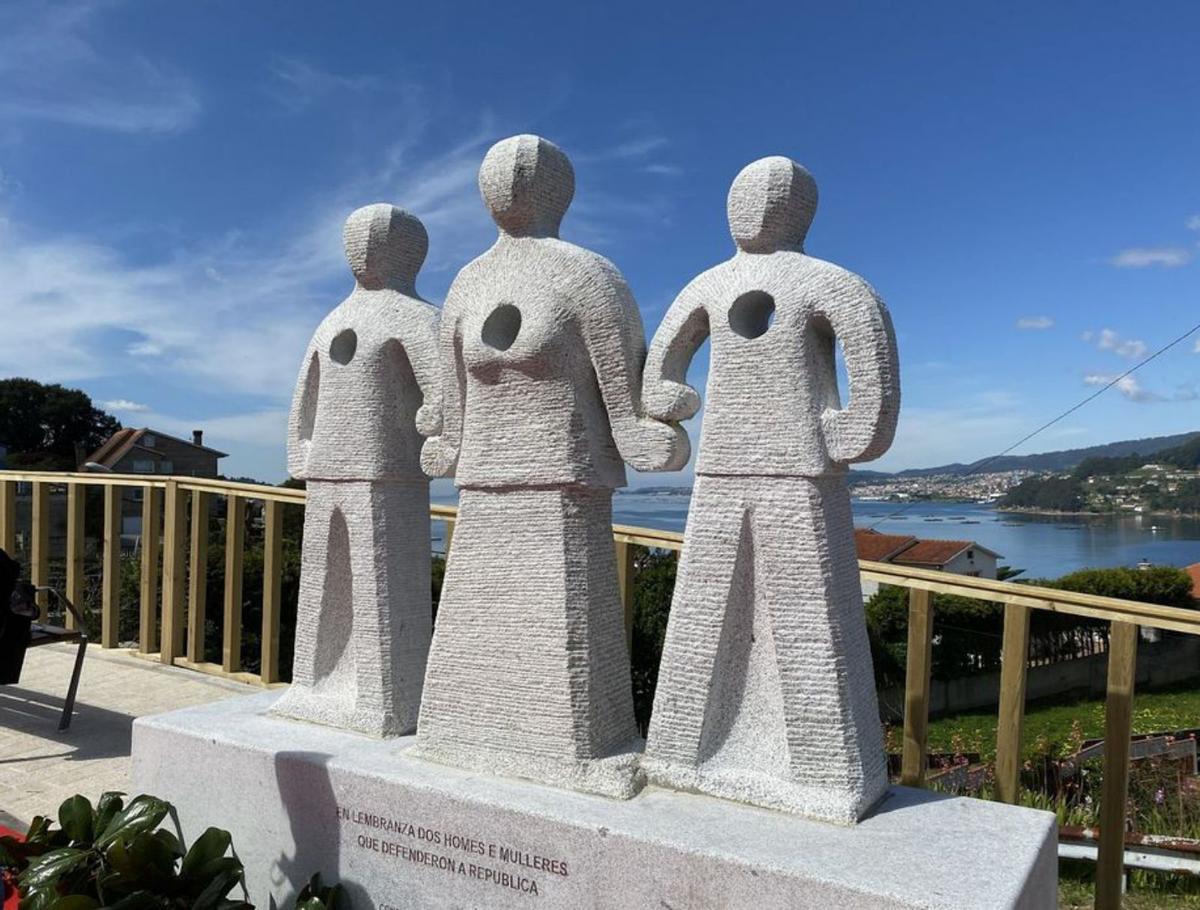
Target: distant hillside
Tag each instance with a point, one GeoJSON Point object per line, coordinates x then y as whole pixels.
{"type": "Point", "coordinates": [1085, 488]}
{"type": "Point", "coordinates": [1064, 460]}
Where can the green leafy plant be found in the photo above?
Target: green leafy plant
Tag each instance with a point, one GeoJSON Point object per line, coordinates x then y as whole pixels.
{"type": "Point", "coordinates": [315, 896]}
{"type": "Point", "coordinates": [117, 855]}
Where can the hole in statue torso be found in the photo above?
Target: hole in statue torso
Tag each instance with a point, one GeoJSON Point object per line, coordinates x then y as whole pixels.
{"type": "Point", "coordinates": [752, 313]}
{"type": "Point", "coordinates": [344, 344]}
{"type": "Point", "coordinates": [501, 327]}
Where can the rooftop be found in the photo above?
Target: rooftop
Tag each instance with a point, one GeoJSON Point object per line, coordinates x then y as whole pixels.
{"type": "Point", "coordinates": [119, 444]}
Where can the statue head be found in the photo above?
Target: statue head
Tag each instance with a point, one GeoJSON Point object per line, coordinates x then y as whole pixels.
{"type": "Point", "coordinates": [771, 205]}
{"type": "Point", "coordinates": [527, 184]}
{"type": "Point", "coordinates": [385, 247]}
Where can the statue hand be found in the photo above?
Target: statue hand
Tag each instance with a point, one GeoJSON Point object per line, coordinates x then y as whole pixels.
{"type": "Point", "coordinates": [658, 446]}
{"type": "Point", "coordinates": [429, 419]}
{"type": "Point", "coordinates": [670, 400]}
{"type": "Point", "coordinates": [438, 458]}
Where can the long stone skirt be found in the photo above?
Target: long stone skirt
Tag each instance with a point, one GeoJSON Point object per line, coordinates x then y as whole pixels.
{"type": "Point", "coordinates": [528, 672]}
{"type": "Point", "coordinates": [766, 691]}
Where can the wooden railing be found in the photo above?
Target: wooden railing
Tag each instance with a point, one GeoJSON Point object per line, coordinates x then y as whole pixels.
{"type": "Point", "coordinates": [183, 564]}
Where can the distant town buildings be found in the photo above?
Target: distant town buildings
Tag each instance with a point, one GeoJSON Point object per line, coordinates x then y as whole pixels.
{"type": "Point", "coordinates": [982, 488]}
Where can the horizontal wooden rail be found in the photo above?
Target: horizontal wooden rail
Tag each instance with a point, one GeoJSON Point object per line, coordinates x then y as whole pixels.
{"type": "Point", "coordinates": [182, 546]}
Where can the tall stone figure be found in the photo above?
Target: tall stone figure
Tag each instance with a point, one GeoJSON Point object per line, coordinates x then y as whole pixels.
{"type": "Point", "coordinates": [766, 693]}
{"type": "Point", "coordinates": [364, 619]}
{"type": "Point", "coordinates": [542, 347]}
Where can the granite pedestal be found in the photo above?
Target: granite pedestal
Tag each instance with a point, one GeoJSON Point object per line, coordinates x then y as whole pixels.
{"type": "Point", "coordinates": [399, 832]}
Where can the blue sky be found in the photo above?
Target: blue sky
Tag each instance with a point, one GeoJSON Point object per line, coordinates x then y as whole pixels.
{"type": "Point", "coordinates": [1021, 183]}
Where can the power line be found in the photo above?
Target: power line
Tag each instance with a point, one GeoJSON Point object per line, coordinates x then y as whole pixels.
{"type": "Point", "coordinates": [979, 466]}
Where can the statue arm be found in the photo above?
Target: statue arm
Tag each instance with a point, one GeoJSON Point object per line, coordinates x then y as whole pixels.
{"type": "Point", "coordinates": [864, 428]}
{"type": "Point", "coordinates": [613, 334]}
{"type": "Point", "coordinates": [665, 392]}
{"type": "Point", "coordinates": [418, 335]}
{"type": "Point", "coordinates": [440, 418]}
{"type": "Point", "coordinates": [303, 415]}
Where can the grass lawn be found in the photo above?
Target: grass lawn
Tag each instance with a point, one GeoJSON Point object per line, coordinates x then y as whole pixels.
{"type": "Point", "coordinates": [1077, 895]}
{"type": "Point", "coordinates": [1048, 727]}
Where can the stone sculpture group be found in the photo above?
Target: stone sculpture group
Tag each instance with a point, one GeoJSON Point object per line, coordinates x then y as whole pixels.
{"type": "Point", "coordinates": [534, 390]}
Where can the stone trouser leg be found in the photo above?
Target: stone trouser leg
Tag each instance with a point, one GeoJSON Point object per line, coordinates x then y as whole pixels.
{"type": "Point", "coordinates": [363, 620]}
{"type": "Point", "coordinates": [808, 578]}
{"type": "Point", "coordinates": [529, 674]}
{"type": "Point", "coordinates": [714, 580]}
{"type": "Point", "coordinates": [765, 692]}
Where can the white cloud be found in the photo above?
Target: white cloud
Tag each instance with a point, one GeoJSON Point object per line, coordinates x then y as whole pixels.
{"type": "Point", "coordinates": [1109, 340]}
{"type": "Point", "coordinates": [1034, 322]}
{"type": "Point", "coordinates": [664, 170]}
{"type": "Point", "coordinates": [1193, 223]}
{"type": "Point", "coordinates": [1145, 257]}
{"type": "Point", "coordinates": [1126, 385]}
{"type": "Point", "coordinates": [296, 83]}
{"type": "Point", "coordinates": [51, 68]}
{"type": "Point", "coordinates": [1132, 389]}
{"type": "Point", "coordinates": [124, 405]}
{"type": "Point", "coordinates": [1196, 349]}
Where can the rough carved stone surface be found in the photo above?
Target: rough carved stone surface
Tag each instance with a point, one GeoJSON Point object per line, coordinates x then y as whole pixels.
{"type": "Point", "coordinates": [766, 692]}
{"type": "Point", "coordinates": [541, 347]}
{"type": "Point", "coordinates": [364, 617]}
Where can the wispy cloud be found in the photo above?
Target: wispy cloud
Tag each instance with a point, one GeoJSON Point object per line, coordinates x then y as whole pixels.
{"type": "Point", "coordinates": [1132, 389]}
{"type": "Point", "coordinates": [297, 83]}
{"type": "Point", "coordinates": [1127, 386]}
{"type": "Point", "coordinates": [1168, 257]}
{"type": "Point", "coordinates": [125, 406]}
{"type": "Point", "coordinates": [1193, 223]}
{"type": "Point", "coordinates": [1109, 340]}
{"type": "Point", "coordinates": [52, 68]}
{"type": "Point", "coordinates": [227, 318]}
{"type": "Point", "coordinates": [664, 170]}
{"type": "Point", "coordinates": [1034, 322]}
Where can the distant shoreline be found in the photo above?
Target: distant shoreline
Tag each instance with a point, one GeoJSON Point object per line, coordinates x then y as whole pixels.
{"type": "Point", "coordinates": [1021, 510]}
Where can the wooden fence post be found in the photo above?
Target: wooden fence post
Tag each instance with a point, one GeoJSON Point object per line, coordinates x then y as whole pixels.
{"type": "Point", "coordinates": [39, 558]}
{"type": "Point", "coordinates": [197, 577]}
{"type": "Point", "coordinates": [110, 571]}
{"type": "Point", "coordinates": [1118, 727]}
{"type": "Point", "coordinates": [8, 517]}
{"type": "Point", "coordinates": [916, 687]}
{"type": "Point", "coordinates": [174, 533]}
{"type": "Point", "coordinates": [1014, 659]}
{"type": "Point", "coordinates": [272, 589]}
{"type": "Point", "coordinates": [76, 544]}
{"type": "Point", "coordinates": [235, 542]}
{"type": "Point", "coordinates": [148, 618]}
{"type": "Point", "coordinates": [625, 572]}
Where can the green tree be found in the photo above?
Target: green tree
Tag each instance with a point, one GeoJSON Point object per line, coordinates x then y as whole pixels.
{"type": "Point", "coordinates": [42, 425]}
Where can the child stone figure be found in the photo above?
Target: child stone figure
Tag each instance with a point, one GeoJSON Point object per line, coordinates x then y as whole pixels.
{"type": "Point", "coordinates": [364, 617]}
{"type": "Point", "coordinates": [542, 347]}
{"type": "Point", "coordinates": [765, 692]}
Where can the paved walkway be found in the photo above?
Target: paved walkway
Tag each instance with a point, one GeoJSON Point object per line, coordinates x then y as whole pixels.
{"type": "Point", "coordinates": [40, 767]}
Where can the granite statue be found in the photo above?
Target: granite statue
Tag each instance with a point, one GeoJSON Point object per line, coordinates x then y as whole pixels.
{"type": "Point", "coordinates": [541, 349]}
{"type": "Point", "coordinates": [364, 618]}
{"type": "Point", "coordinates": [766, 692]}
